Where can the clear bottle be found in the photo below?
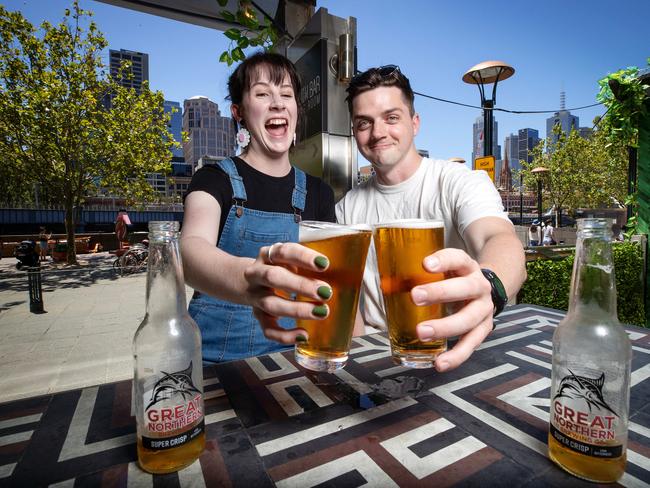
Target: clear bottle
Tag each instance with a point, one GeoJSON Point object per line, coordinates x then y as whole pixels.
{"type": "Point", "coordinates": [590, 385]}
{"type": "Point", "coordinates": [168, 381]}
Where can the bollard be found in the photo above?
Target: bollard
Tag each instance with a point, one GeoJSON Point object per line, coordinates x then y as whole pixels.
{"type": "Point", "coordinates": [35, 290]}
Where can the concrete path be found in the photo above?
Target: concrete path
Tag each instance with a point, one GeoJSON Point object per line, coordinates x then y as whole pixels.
{"type": "Point", "coordinates": [85, 336]}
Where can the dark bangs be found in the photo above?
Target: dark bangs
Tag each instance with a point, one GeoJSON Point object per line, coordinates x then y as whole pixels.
{"type": "Point", "coordinates": [248, 72]}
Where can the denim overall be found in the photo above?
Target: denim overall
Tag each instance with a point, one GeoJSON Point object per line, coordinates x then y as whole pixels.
{"type": "Point", "coordinates": [229, 330]}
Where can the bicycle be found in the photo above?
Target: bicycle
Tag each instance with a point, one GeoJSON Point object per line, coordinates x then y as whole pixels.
{"type": "Point", "coordinates": [133, 260]}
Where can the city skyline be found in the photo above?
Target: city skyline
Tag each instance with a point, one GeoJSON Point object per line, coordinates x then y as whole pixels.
{"type": "Point", "coordinates": [433, 44]}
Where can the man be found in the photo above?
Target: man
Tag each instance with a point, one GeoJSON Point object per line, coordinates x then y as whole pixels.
{"type": "Point", "coordinates": [482, 254]}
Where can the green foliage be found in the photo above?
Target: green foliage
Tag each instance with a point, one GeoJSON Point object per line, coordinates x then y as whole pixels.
{"type": "Point", "coordinates": [632, 224]}
{"type": "Point", "coordinates": [549, 282]}
{"type": "Point", "coordinates": [252, 33]}
{"type": "Point", "coordinates": [54, 128]}
{"type": "Point", "coordinates": [623, 94]}
{"type": "Point", "coordinates": [582, 173]}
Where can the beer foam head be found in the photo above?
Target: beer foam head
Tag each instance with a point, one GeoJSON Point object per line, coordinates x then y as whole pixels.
{"type": "Point", "coordinates": [410, 224]}
{"type": "Point", "coordinates": [311, 230]}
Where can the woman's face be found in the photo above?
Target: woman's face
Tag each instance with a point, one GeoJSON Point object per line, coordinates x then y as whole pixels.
{"type": "Point", "coordinates": [270, 113]}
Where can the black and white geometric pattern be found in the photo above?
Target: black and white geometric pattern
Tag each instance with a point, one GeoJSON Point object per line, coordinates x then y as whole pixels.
{"type": "Point", "coordinates": [271, 423]}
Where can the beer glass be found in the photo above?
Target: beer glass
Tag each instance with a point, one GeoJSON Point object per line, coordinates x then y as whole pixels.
{"type": "Point", "coordinates": [401, 246]}
{"type": "Point", "coordinates": [346, 247]}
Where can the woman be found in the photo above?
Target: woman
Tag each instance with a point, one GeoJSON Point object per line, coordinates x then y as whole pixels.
{"type": "Point", "coordinates": [533, 234]}
{"type": "Point", "coordinates": [241, 223]}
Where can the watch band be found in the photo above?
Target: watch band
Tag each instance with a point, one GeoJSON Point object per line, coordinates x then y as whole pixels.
{"type": "Point", "coordinates": [499, 295]}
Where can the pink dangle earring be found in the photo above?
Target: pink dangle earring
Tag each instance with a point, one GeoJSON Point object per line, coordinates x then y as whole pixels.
{"type": "Point", "coordinates": [294, 138]}
{"type": "Point", "coordinates": [243, 137]}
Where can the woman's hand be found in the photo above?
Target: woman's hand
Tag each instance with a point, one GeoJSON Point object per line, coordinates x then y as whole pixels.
{"type": "Point", "coordinates": [272, 280]}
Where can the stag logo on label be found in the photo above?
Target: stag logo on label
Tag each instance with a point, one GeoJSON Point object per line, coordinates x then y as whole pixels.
{"type": "Point", "coordinates": [589, 390]}
{"type": "Point", "coordinates": [178, 384]}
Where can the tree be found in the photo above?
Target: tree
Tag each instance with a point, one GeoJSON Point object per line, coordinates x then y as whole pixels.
{"type": "Point", "coordinates": [581, 172]}
{"type": "Point", "coordinates": [55, 130]}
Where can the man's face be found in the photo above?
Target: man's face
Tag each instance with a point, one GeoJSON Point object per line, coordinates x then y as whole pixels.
{"type": "Point", "coordinates": [383, 126]}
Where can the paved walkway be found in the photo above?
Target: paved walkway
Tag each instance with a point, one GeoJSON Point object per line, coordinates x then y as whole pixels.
{"type": "Point", "coordinates": [84, 338]}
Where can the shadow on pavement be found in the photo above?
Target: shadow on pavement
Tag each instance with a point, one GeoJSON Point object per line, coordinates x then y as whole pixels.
{"type": "Point", "coordinates": [58, 277]}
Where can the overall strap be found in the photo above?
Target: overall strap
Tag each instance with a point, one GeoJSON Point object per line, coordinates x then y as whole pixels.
{"type": "Point", "coordinates": [299, 195]}
{"type": "Point", "coordinates": [238, 190]}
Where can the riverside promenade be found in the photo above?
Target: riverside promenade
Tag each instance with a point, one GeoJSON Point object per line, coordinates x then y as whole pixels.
{"type": "Point", "coordinates": [83, 339]}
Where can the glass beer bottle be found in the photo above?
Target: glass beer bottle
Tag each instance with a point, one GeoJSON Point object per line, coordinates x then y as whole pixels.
{"type": "Point", "coordinates": [590, 384]}
{"type": "Point", "coordinates": [168, 380]}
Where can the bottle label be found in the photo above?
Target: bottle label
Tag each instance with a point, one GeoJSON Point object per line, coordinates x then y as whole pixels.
{"type": "Point", "coordinates": [586, 449]}
{"type": "Point", "coordinates": [581, 418]}
{"type": "Point", "coordinates": [173, 410]}
{"type": "Point", "coordinates": [162, 443]}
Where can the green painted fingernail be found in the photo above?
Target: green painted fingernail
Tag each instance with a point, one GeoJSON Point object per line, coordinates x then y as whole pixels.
{"type": "Point", "coordinates": [322, 262]}
{"type": "Point", "coordinates": [324, 292]}
{"type": "Point", "coordinates": [320, 311]}
{"type": "Point", "coordinates": [301, 338]}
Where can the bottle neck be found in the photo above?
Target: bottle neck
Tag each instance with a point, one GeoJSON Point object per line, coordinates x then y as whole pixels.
{"type": "Point", "coordinates": [165, 284]}
{"type": "Point", "coordinates": [593, 284]}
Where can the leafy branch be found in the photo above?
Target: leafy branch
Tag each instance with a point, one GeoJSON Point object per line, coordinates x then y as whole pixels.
{"type": "Point", "coordinates": [252, 34]}
{"type": "Point", "coordinates": [623, 94]}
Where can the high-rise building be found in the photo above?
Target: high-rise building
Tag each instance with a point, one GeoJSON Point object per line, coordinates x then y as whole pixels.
{"type": "Point", "coordinates": [209, 134]}
{"type": "Point", "coordinates": [477, 140]}
{"type": "Point", "coordinates": [512, 150]}
{"type": "Point", "coordinates": [527, 139]}
{"type": "Point", "coordinates": [138, 73]}
{"type": "Point", "coordinates": [175, 127]}
{"type": "Point", "coordinates": [564, 119]}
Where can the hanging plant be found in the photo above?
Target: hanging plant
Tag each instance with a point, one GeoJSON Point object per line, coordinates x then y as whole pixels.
{"type": "Point", "coordinates": [623, 94]}
{"type": "Point", "coordinates": [251, 34]}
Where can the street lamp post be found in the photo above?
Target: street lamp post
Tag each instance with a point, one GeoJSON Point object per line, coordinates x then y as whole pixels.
{"type": "Point", "coordinates": [483, 74]}
{"type": "Point", "coordinates": [521, 198]}
{"type": "Point", "coordinates": [539, 173]}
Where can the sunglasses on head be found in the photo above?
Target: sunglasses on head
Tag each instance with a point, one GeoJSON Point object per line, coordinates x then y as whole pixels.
{"type": "Point", "coordinates": [388, 70]}
{"type": "Point", "coordinates": [385, 71]}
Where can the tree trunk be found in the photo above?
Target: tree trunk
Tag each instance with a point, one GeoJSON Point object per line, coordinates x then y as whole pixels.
{"type": "Point", "coordinates": [558, 217]}
{"type": "Point", "coordinates": [69, 230]}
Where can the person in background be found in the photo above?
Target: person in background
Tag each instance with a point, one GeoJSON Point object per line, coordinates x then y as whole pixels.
{"type": "Point", "coordinates": [534, 233]}
{"type": "Point", "coordinates": [43, 237]}
{"type": "Point", "coordinates": [240, 227]}
{"type": "Point", "coordinates": [483, 257]}
{"type": "Point", "coordinates": [549, 234]}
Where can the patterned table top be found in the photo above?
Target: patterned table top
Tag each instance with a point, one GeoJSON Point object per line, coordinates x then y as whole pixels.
{"type": "Point", "coordinates": [269, 422]}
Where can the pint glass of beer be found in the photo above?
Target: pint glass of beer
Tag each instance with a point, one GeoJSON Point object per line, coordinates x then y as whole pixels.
{"type": "Point", "coordinates": [401, 246]}
{"type": "Point", "coordinates": [328, 344]}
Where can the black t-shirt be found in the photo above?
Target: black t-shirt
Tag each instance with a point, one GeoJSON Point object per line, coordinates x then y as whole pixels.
{"type": "Point", "coordinates": [264, 192]}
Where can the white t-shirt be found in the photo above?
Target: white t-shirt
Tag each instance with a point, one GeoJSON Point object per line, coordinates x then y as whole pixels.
{"type": "Point", "coordinates": [549, 233]}
{"type": "Point", "coordinates": [440, 190]}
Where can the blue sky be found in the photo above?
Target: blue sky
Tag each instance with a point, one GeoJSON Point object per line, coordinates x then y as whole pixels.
{"type": "Point", "coordinates": [554, 45]}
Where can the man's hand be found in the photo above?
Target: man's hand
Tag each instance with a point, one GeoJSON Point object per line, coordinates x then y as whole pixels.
{"type": "Point", "coordinates": [464, 284]}
{"type": "Point", "coordinates": [271, 283]}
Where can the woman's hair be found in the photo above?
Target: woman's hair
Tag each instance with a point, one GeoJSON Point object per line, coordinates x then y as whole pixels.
{"type": "Point", "coordinates": [278, 68]}
{"type": "Point", "coordinates": [533, 227]}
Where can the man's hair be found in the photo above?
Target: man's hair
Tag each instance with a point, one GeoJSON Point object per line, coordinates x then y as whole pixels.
{"type": "Point", "coordinates": [374, 78]}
